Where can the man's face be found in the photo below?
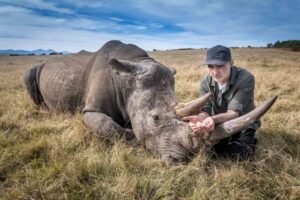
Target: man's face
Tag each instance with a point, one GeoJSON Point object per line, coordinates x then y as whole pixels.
{"type": "Point", "coordinates": [220, 73]}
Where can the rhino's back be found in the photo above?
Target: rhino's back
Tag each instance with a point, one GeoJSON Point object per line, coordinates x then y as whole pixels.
{"type": "Point", "coordinates": [62, 83]}
{"type": "Point", "coordinates": [119, 50]}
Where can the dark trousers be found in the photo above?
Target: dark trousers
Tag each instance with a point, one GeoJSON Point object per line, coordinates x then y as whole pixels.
{"type": "Point", "coordinates": [239, 146]}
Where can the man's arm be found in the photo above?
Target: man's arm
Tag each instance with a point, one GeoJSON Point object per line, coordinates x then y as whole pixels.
{"type": "Point", "coordinates": [241, 98]}
{"type": "Point", "coordinates": [196, 118]}
{"type": "Point", "coordinates": [223, 117]}
{"type": "Point", "coordinates": [207, 120]}
{"type": "Point", "coordinates": [204, 89]}
{"type": "Point", "coordinates": [207, 123]}
{"type": "Point", "coordinates": [203, 114]}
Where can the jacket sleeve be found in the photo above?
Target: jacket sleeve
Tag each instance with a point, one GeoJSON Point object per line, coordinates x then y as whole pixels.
{"type": "Point", "coordinates": [204, 88]}
{"type": "Point", "coordinates": [243, 96]}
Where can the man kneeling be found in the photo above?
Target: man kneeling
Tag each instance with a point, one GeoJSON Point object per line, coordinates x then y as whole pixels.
{"type": "Point", "coordinates": [232, 90]}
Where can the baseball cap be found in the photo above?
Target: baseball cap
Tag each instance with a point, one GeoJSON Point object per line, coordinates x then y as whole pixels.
{"type": "Point", "coordinates": [218, 55]}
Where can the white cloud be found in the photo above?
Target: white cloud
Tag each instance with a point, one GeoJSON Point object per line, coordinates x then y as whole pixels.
{"type": "Point", "coordinates": [26, 18]}
{"type": "Point", "coordinates": [11, 9]}
{"type": "Point", "coordinates": [116, 19]}
{"type": "Point", "coordinates": [30, 31]}
{"type": "Point", "coordinates": [37, 4]}
{"type": "Point", "coordinates": [14, 16]}
{"type": "Point", "coordinates": [86, 3]}
{"type": "Point", "coordinates": [201, 24]}
{"type": "Point", "coordinates": [74, 40]}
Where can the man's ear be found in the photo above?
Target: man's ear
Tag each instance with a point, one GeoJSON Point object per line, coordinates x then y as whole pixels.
{"type": "Point", "coordinates": [123, 66]}
{"type": "Point", "coordinates": [173, 70]}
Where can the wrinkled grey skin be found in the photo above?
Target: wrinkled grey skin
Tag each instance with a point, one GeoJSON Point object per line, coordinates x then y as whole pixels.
{"type": "Point", "coordinates": [121, 91]}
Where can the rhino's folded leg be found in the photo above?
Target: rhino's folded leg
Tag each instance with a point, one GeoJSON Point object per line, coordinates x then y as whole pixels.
{"type": "Point", "coordinates": [106, 127]}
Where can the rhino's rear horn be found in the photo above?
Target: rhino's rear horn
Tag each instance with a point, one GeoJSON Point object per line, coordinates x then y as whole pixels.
{"type": "Point", "coordinates": [192, 107]}
{"type": "Point", "coordinates": [230, 127]}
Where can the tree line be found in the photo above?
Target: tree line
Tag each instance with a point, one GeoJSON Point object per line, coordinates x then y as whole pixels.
{"type": "Point", "coordinates": [293, 45]}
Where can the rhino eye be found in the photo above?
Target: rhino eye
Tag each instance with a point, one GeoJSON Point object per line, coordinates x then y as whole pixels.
{"type": "Point", "coordinates": [155, 119]}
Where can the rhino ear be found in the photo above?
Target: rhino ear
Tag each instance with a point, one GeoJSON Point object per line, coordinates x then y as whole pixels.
{"type": "Point", "coordinates": [123, 66]}
{"type": "Point", "coordinates": [173, 70]}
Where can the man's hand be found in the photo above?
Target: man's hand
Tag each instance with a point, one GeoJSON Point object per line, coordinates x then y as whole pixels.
{"type": "Point", "coordinates": [200, 124]}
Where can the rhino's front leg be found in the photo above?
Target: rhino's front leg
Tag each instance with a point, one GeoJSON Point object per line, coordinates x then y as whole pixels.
{"type": "Point", "coordinates": [106, 127]}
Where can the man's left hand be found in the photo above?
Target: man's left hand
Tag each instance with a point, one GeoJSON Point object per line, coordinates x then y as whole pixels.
{"type": "Point", "coordinates": [206, 125]}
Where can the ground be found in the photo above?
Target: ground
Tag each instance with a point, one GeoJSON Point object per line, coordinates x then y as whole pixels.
{"type": "Point", "coordinates": [49, 156]}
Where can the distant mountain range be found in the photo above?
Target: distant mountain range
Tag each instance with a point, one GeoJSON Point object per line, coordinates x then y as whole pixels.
{"type": "Point", "coordinates": [35, 52]}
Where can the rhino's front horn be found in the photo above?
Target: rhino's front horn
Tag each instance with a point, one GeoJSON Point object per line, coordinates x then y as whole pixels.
{"type": "Point", "coordinates": [192, 107]}
{"type": "Point", "coordinates": [230, 127]}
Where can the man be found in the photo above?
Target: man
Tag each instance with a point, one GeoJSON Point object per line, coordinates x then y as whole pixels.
{"type": "Point", "coordinates": [232, 91]}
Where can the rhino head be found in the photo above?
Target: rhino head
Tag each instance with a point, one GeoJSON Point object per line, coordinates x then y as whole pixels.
{"type": "Point", "coordinates": [147, 88]}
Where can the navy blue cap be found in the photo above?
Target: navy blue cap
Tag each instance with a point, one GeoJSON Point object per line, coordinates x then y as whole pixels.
{"type": "Point", "coordinates": [218, 55]}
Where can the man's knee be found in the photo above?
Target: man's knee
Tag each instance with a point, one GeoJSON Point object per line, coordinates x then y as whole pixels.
{"type": "Point", "coordinates": [240, 146]}
{"type": "Point", "coordinates": [240, 150]}
{"type": "Point", "coordinates": [243, 147]}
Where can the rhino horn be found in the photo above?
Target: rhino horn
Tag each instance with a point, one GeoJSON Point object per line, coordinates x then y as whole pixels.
{"type": "Point", "coordinates": [192, 107]}
{"type": "Point", "coordinates": [230, 127]}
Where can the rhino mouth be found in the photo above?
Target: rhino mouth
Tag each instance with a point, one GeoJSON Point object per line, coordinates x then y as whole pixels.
{"type": "Point", "coordinates": [175, 152]}
{"type": "Point", "coordinates": [175, 156]}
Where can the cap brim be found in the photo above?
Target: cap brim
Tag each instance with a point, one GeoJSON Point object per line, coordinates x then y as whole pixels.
{"type": "Point", "coordinates": [215, 62]}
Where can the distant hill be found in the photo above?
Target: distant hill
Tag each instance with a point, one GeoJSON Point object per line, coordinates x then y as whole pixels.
{"type": "Point", "coordinates": [84, 52]}
{"type": "Point", "coordinates": [35, 52]}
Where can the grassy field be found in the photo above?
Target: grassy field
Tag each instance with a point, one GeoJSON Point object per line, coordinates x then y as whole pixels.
{"type": "Point", "coordinates": [48, 156]}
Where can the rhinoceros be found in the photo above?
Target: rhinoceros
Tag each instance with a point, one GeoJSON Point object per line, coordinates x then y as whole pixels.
{"type": "Point", "coordinates": [122, 92]}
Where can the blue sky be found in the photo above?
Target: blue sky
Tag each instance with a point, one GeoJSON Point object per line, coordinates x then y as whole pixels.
{"type": "Point", "coordinates": [74, 25]}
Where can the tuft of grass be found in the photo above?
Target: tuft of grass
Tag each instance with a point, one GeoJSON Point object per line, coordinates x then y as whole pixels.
{"type": "Point", "coordinates": [49, 156]}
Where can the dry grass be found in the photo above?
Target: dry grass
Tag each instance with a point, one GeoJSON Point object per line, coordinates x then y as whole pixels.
{"type": "Point", "coordinates": [47, 156]}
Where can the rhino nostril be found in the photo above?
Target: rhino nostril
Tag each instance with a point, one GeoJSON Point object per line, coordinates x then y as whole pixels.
{"type": "Point", "coordinates": [156, 119]}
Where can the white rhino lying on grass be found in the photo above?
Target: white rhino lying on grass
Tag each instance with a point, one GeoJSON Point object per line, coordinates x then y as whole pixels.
{"type": "Point", "coordinates": [124, 92]}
